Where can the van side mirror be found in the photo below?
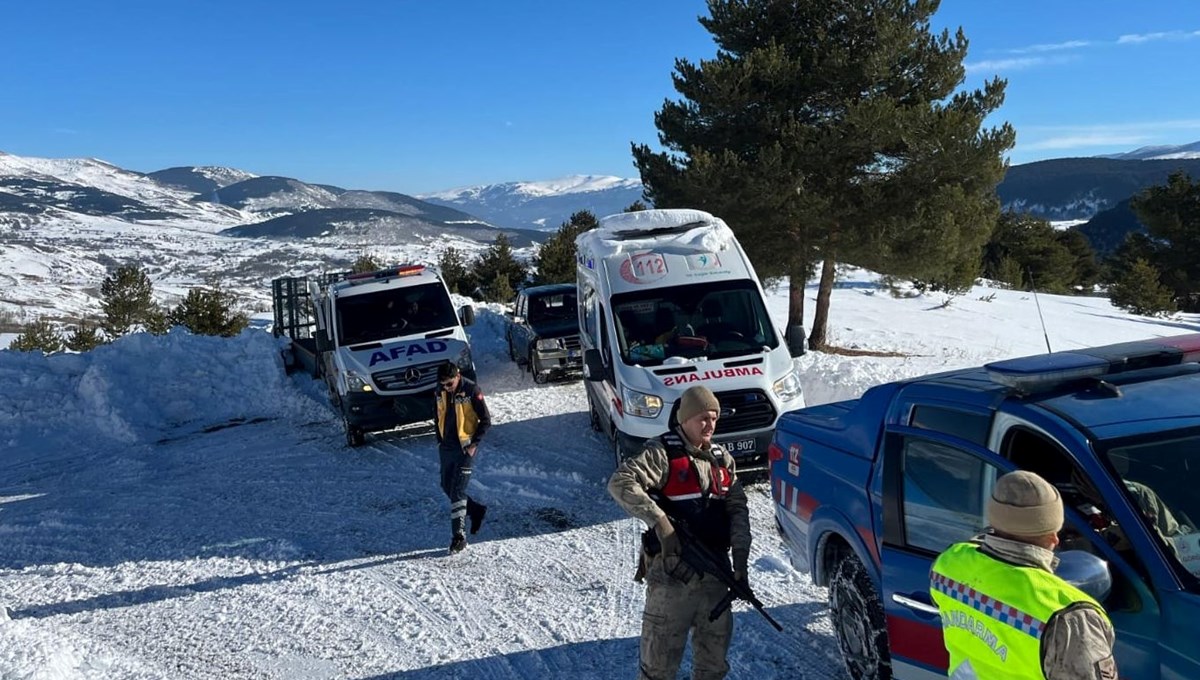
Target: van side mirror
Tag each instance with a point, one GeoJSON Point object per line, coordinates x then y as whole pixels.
{"type": "Point", "coordinates": [323, 344]}
{"type": "Point", "coordinates": [1086, 572]}
{"type": "Point", "coordinates": [593, 365]}
{"type": "Point", "coordinates": [466, 314]}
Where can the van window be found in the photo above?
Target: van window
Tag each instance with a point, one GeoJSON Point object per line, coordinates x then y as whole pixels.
{"type": "Point", "coordinates": [714, 320]}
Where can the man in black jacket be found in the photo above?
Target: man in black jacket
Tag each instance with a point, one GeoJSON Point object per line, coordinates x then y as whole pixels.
{"type": "Point", "coordinates": [462, 420]}
{"type": "Point", "coordinates": [684, 474]}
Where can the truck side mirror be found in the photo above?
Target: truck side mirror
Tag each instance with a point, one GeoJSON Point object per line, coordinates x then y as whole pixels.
{"type": "Point", "coordinates": [593, 365]}
{"type": "Point", "coordinates": [323, 344]}
{"type": "Point", "coordinates": [1086, 572]}
{"type": "Point", "coordinates": [466, 314]}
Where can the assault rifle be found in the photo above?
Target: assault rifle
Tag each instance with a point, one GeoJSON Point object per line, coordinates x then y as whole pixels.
{"type": "Point", "coordinates": [703, 560]}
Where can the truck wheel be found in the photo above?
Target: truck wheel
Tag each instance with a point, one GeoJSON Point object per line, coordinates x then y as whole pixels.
{"type": "Point", "coordinates": [858, 621]}
{"type": "Point", "coordinates": [538, 376]}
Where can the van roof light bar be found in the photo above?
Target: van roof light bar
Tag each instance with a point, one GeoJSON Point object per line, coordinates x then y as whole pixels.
{"type": "Point", "coordinates": [1047, 371]}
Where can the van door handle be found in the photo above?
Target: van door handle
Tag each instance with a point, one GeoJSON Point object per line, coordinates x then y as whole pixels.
{"type": "Point", "coordinates": [914, 604]}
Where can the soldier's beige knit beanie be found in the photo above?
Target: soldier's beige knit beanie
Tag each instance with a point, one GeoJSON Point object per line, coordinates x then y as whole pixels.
{"type": "Point", "coordinates": [1025, 505]}
{"type": "Point", "coordinates": [695, 400]}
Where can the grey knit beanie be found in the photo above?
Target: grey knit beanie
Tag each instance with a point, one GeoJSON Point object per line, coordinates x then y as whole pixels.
{"type": "Point", "coordinates": [1025, 505]}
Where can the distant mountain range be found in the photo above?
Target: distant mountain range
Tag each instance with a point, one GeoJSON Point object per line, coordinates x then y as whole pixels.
{"type": "Point", "coordinates": [65, 222]}
{"type": "Point", "coordinates": [542, 205]}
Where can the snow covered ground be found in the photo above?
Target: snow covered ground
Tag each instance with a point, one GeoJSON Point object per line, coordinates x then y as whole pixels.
{"type": "Point", "coordinates": [178, 507]}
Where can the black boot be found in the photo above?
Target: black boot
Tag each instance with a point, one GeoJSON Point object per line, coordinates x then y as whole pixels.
{"type": "Point", "coordinates": [458, 544]}
{"type": "Point", "coordinates": [476, 513]}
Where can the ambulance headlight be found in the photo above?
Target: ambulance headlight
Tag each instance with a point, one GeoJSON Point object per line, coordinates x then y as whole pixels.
{"type": "Point", "coordinates": [788, 387]}
{"type": "Point", "coordinates": [356, 383]}
{"type": "Point", "coordinates": [641, 404]}
{"type": "Point", "coordinates": [464, 358]}
{"type": "Point", "coordinates": [548, 344]}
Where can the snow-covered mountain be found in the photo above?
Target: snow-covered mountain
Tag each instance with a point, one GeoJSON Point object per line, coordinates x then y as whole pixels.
{"type": "Point", "coordinates": [65, 223]}
{"type": "Point", "coordinates": [1160, 152]}
{"type": "Point", "coordinates": [541, 205]}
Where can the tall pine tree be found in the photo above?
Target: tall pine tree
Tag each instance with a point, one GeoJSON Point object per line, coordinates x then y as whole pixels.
{"type": "Point", "coordinates": [832, 129]}
{"type": "Point", "coordinates": [1171, 214]}
{"type": "Point", "coordinates": [495, 263]}
{"type": "Point", "coordinates": [555, 260]}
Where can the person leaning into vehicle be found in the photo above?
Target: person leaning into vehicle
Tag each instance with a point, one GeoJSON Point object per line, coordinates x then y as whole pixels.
{"type": "Point", "coordinates": [684, 474]}
{"type": "Point", "coordinates": [462, 420]}
{"type": "Point", "coordinates": [1004, 612]}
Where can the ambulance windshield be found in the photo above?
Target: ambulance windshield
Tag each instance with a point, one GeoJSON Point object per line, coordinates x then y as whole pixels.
{"type": "Point", "coordinates": [397, 312]}
{"type": "Point", "coordinates": [714, 320]}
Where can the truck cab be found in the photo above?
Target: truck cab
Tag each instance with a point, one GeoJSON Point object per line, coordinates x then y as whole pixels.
{"type": "Point", "coordinates": [668, 299]}
{"type": "Point", "coordinates": [868, 493]}
{"type": "Point", "coordinates": [542, 331]}
{"type": "Point", "coordinates": [378, 339]}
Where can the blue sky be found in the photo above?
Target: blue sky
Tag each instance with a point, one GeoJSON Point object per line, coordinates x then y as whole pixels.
{"type": "Point", "coordinates": [416, 96]}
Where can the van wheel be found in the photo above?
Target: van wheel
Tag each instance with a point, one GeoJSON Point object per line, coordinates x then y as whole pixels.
{"type": "Point", "coordinates": [592, 415]}
{"type": "Point", "coordinates": [618, 452]}
{"type": "Point", "coordinates": [354, 434]}
{"type": "Point", "coordinates": [858, 621]}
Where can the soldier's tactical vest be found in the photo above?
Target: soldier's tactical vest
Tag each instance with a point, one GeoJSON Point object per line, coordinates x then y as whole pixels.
{"type": "Point", "coordinates": [684, 498]}
{"type": "Point", "coordinates": [994, 613]}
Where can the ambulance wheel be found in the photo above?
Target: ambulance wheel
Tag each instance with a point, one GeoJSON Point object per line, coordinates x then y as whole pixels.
{"type": "Point", "coordinates": [618, 452]}
{"type": "Point", "coordinates": [593, 417]}
{"type": "Point", "coordinates": [858, 620]}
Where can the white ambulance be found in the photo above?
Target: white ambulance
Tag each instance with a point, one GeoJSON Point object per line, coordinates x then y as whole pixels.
{"type": "Point", "coordinates": [667, 300]}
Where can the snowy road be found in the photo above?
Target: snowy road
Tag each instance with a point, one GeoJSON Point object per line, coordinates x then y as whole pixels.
{"type": "Point", "coordinates": [262, 547]}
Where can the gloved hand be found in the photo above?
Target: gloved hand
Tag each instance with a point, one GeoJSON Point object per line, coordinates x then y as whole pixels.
{"type": "Point", "coordinates": [673, 564]}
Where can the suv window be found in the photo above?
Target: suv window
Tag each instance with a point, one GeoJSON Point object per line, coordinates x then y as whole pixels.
{"type": "Point", "coordinates": [944, 490]}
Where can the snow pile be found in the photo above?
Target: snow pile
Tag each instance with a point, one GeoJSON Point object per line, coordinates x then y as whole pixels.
{"type": "Point", "coordinates": [138, 388]}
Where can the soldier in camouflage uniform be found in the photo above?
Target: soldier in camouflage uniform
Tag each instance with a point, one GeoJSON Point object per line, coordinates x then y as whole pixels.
{"type": "Point", "coordinates": [684, 474]}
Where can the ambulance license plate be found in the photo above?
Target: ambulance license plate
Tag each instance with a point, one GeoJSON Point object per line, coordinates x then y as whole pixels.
{"type": "Point", "coordinates": [739, 446]}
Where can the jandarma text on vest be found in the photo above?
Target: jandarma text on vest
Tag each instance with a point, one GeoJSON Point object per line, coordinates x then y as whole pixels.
{"type": "Point", "coordinates": [975, 627]}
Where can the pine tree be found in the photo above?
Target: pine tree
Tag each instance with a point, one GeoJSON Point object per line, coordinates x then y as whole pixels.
{"type": "Point", "coordinates": [555, 260]}
{"type": "Point", "coordinates": [365, 263]}
{"type": "Point", "coordinates": [636, 206]}
{"type": "Point", "coordinates": [209, 311]}
{"type": "Point", "coordinates": [499, 290]}
{"type": "Point", "coordinates": [833, 129]}
{"type": "Point", "coordinates": [37, 336]}
{"type": "Point", "coordinates": [1140, 292]}
{"type": "Point", "coordinates": [1171, 214]}
{"type": "Point", "coordinates": [498, 260]}
{"type": "Point", "coordinates": [1031, 245]}
{"type": "Point", "coordinates": [127, 299]}
{"type": "Point", "coordinates": [84, 338]}
{"type": "Point", "coordinates": [456, 273]}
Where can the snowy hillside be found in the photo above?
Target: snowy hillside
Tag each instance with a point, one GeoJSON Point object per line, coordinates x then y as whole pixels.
{"type": "Point", "coordinates": [1161, 152]}
{"type": "Point", "coordinates": [177, 507]}
{"type": "Point", "coordinates": [542, 205]}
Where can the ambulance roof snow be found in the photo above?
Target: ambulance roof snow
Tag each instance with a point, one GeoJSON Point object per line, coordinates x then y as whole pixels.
{"type": "Point", "coordinates": [612, 238]}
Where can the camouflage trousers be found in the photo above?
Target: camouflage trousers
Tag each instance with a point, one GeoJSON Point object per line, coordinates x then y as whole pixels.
{"type": "Point", "coordinates": [674, 609]}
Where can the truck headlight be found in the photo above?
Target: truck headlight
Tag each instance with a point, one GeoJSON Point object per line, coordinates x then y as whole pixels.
{"type": "Point", "coordinates": [641, 404]}
{"type": "Point", "coordinates": [356, 383]}
{"type": "Point", "coordinates": [788, 387]}
{"type": "Point", "coordinates": [548, 344]}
